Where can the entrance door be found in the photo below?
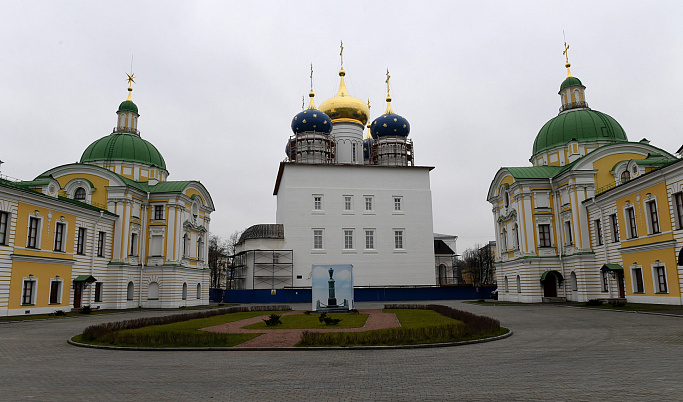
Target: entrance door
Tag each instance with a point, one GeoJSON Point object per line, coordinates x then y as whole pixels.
{"type": "Point", "coordinates": [549, 287]}
{"type": "Point", "coordinates": [620, 282]}
{"type": "Point", "coordinates": [78, 293]}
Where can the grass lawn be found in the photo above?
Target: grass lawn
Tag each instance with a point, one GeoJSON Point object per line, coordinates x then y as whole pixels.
{"type": "Point", "coordinates": [414, 318]}
{"type": "Point", "coordinates": [181, 334]}
{"type": "Point", "coordinates": [311, 321]}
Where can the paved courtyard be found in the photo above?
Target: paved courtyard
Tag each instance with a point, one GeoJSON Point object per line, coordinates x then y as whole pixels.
{"type": "Point", "coordinates": [556, 353]}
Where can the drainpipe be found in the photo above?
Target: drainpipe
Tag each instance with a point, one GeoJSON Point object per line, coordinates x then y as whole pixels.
{"type": "Point", "coordinates": [92, 254]}
{"type": "Point", "coordinates": [560, 229]}
{"type": "Point", "coordinates": [141, 250]}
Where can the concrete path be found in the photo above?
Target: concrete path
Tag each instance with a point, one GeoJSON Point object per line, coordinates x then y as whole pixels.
{"type": "Point", "coordinates": [556, 353]}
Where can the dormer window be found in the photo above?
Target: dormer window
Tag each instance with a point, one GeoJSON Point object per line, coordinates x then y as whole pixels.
{"type": "Point", "coordinates": [79, 194]}
{"type": "Point", "coordinates": [625, 176]}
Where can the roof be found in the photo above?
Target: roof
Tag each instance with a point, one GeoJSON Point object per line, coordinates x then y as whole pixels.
{"type": "Point", "coordinates": [263, 231]}
{"type": "Point", "coordinates": [128, 106]}
{"type": "Point", "coordinates": [612, 267]}
{"type": "Point", "coordinates": [124, 147]}
{"type": "Point", "coordinates": [442, 248]}
{"type": "Point", "coordinates": [582, 125]}
{"type": "Point", "coordinates": [160, 187]}
{"type": "Point", "coordinates": [570, 82]}
{"type": "Point", "coordinates": [534, 172]}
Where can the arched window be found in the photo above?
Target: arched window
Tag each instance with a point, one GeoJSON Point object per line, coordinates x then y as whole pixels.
{"type": "Point", "coordinates": [200, 249]}
{"type": "Point", "coordinates": [574, 282]}
{"type": "Point", "coordinates": [519, 284]}
{"type": "Point", "coordinates": [515, 236]}
{"type": "Point", "coordinates": [507, 287]}
{"type": "Point", "coordinates": [625, 176]}
{"type": "Point", "coordinates": [153, 291]}
{"type": "Point", "coordinates": [199, 291]}
{"type": "Point", "coordinates": [504, 239]}
{"type": "Point", "coordinates": [79, 194]}
{"type": "Point", "coordinates": [130, 291]}
{"type": "Point", "coordinates": [184, 291]}
{"type": "Point", "coordinates": [186, 245]}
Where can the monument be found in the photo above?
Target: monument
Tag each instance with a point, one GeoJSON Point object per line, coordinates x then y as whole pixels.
{"type": "Point", "coordinates": [332, 283]}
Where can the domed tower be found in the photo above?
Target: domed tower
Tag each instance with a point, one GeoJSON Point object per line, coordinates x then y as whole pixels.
{"type": "Point", "coordinates": [390, 133]}
{"type": "Point", "coordinates": [349, 116]}
{"type": "Point", "coordinates": [311, 142]}
{"type": "Point", "coordinates": [124, 151]}
{"type": "Point", "coordinates": [576, 130]}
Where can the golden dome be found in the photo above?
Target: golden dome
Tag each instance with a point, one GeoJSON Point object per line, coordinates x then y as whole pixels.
{"type": "Point", "coordinates": [344, 107]}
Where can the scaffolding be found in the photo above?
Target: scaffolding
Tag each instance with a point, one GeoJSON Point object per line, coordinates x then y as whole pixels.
{"type": "Point", "coordinates": [266, 269]}
{"type": "Point", "coordinates": [392, 151]}
{"type": "Point", "coordinates": [311, 148]}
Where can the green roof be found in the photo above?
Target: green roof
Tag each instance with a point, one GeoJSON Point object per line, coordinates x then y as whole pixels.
{"type": "Point", "coordinates": [160, 187]}
{"type": "Point", "coordinates": [128, 106]}
{"type": "Point", "coordinates": [612, 267]}
{"type": "Point", "coordinates": [570, 82]}
{"type": "Point", "coordinates": [582, 125]}
{"type": "Point", "coordinates": [124, 147]}
{"type": "Point", "coordinates": [534, 172]}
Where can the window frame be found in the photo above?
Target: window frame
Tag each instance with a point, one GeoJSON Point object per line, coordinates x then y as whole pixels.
{"type": "Point", "coordinates": [99, 291]}
{"type": "Point", "coordinates": [678, 208]}
{"type": "Point", "coordinates": [544, 237]}
{"type": "Point", "coordinates": [637, 282]}
{"type": "Point", "coordinates": [4, 228]}
{"type": "Point", "coordinates": [159, 212]}
{"type": "Point", "coordinates": [614, 221]}
{"type": "Point", "coordinates": [318, 239]}
{"type": "Point", "coordinates": [29, 299]}
{"type": "Point", "coordinates": [60, 240]}
{"type": "Point", "coordinates": [652, 216]}
{"type": "Point", "coordinates": [318, 205]}
{"type": "Point", "coordinates": [660, 282]}
{"type": "Point", "coordinates": [80, 241]}
{"type": "Point", "coordinates": [348, 239]}
{"type": "Point", "coordinates": [348, 203]}
{"type": "Point", "coordinates": [399, 237]}
{"type": "Point", "coordinates": [598, 232]}
{"type": "Point", "coordinates": [369, 199]}
{"type": "Point", "coordinates": [398, 203]}
{"type": "Point", "coordinates": [631, 223]}
{"type": "Point", "coordinates": [101, 238]}
{"type": "Point", "coordinates": [369, 239]}
{"type": "Point", "coordinates": [34, 232]}
{"type": "Point", "coordinates": [55, 296]}
{"type": "Point", "coordinates": [569, 238]}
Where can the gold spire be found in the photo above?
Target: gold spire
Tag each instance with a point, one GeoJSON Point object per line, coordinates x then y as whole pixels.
{"type": "Point", "coordinates": [389, 110]}
{"type": "Point", "coordinates": [566, 55]}
{"type": "Point", "coordinates": [311, 94]}
{"type": "Point", "coordinates": [341, 54]}
{"type": "Point", "coordinates": [130, 79]}
{"type": "Point", "coordinates": [302, 102]}
{"type": "Point", "coordinates": [369, 135]}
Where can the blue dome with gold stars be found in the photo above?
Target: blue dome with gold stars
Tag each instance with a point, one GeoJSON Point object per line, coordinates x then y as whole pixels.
{"type": "Point", "coordinates": [367, 144]}
{"type": "Point", "coordinates": [311, 119]}
{"type": "Point", "coordinates": [390, 124]}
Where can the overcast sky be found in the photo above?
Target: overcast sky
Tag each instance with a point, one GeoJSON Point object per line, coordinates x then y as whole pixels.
{"type": "Point", "coordinates": [217, 84]}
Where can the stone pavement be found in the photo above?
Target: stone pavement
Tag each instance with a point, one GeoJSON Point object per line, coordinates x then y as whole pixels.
{"type": "Point", "coordinates": [556, 353]}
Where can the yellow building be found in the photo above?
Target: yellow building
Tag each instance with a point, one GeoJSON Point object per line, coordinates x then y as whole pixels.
{"type": "Point", "coordinates": [109, 231]}
{"type": "Point", "coordinates": [595, 217]}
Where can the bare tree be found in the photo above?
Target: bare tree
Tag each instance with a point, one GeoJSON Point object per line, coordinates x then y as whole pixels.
{"type": "Point", "coordinates": [478, 265]}
{"type": "Point", "coordinates": [218, 251]}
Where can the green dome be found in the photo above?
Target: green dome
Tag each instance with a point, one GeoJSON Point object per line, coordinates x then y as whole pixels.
{"type": "Point", "coordinates": [128, 106]}
{"type": "Point", "coordinates": [124, 147]}
{"type": "Point", "coordinates": [583, 125]}
{"type": "Point", "coordinates": [569, 82]}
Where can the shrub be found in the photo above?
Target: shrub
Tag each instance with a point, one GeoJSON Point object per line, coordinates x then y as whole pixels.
{"type": "Point", "coordinates": [274, 320]}
{"type": "Point", "coordinates": [617, 303]}
{"type": "Point", "coordinates": [86, 310]}
{"type": "Point", "coordinates": [332, 321]}
{"type": "Point", "coordinates": [354, 311]}
{"type": "Point", "coordinates": [594, 302]}
{"type": "Point", "coordinates": [322, 317]}
{"type": "Point", "coordinates": [58, 313]}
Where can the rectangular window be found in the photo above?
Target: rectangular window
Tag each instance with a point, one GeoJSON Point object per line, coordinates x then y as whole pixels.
{"type": "Point", "coordinates": [398, 239]}
{"type": "Point", "coordinates": [28, 291]}
{"type": "Point", "coordinates": [318, 202]}
{"type": "Point", "coordinates": [568, 233]}
{"type": "Point", "coordinates": [368, 203]}
{"type": "Point", "coordinates": [4, 226]}
{"type": "Point", "coordinates": [353, 152]}
{"type": "Point", "coordinates": [55, 292]}
{"type": "Point", "coordinates": [348, 239]}
{"type": "Point", "coordinates": [98, 292]}
{"type": "Point", "coordinates": [59, 236]}
{"type": "Point", "coordinates": [348, 204]}
{"type": "Point", "coordinates": [660, 279]}
{"type": "Point", "coordinates": [158, 212]}
{"type": "Point", "coordinates": [100, 243]}
{"type": "Point", "coordinates": [615, 227]}
{"type": "Point", "coordinates": [33, 226]}
{"type": "Point", "coordinates": [631, 219]}
{"type": "Point", "coordinates": [652, 215]}
{"type": "Point", "coordinates": [318, 239]}
{"type": "Point", "coordinates": [598, 232]}
{"type": "Point", "coordinates": [369, 239]}
{"type": "Point", "coordinates": [397, 204]}
{"type": "Point", "coordinates": [678, 200]}
{"type": "Point", "coordinates": [544, 235]}
{"type": "Point", "coordinates": [605, 282]}
{"type": "Point", "coordinates": [638, 280]}
{"type": "Point", "coordinates": [80, 245]}
{"type": "Point", "coordinates": [133, 244]}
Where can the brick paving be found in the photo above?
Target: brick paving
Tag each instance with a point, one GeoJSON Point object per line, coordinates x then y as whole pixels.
{"type": "Point", "coordinates": [556, 353]}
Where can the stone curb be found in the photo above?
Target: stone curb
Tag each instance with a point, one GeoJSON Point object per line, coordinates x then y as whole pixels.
{"type": "Point", "coordinates": [305, 349]}
{"type": "Point", "coordinates": [626, 311]}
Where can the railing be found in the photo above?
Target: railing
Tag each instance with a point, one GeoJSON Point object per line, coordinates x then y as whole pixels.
{"type": "Point", "coordinates": [573, 105]}
{"type": "Point", "coordinates": [125, 130]}
{"type": "Point", "coordinates": [9, 178]}
{"type": "Point", "coordinates": [606, 188]}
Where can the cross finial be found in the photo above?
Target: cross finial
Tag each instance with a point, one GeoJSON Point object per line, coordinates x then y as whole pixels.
{"type": "Point", "coordinates": [341, 54]}
{"type": "Point", "coordinates": [566, 55]}
{"type": "Point", "coordinates": [131, 78]}
{"type": "Point", "coordinates": [387, 81]}
{"type": "Point", "coordinates": [311, 77]}
{"type": "Point", "coordinates": [303, 103]}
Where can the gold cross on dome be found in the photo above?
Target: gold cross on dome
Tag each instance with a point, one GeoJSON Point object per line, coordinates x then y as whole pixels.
{"type": "Point", "coordinates": [566, 48]}
{"type": "Point", "coordinates": [341, 54]}
{"type": "Point", "coordinates": [311, 76]}
{"type": "Point", "coordinates": [387, 81]}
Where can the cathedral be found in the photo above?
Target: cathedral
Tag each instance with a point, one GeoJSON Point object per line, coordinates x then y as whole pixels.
{"type": "Point", "coordinates": [110, 231]}
{"type": "Point", "coordinates": [596, 216]}
{"type": "Point", "coordinates": [344, 198]}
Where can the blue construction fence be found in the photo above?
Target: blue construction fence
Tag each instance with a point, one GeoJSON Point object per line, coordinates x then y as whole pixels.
{"type": "Point", "coordinates": [303, 295]}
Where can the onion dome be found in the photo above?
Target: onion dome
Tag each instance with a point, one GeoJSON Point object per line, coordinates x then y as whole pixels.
{"type": "Point", "coordinates": [124, 147]}
{"type": "Point", "coordinates": [344, 107]}
{"type": "Point", "coordinates": [390, 124]}
{"type": "Point", "coordinates": [290, 149]}
{"type": "Point", "coordinates": [128, 106]}
{"type": "Point", "coordinates": [311, 119]}
{"type": "Point", "coordinates": [367, 144]}
{"type": "Point", "coordinates": [570, 82]}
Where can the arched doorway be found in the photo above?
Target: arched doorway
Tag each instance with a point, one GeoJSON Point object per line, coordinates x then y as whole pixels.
{"type": "Point", "coordinates": [550, 281]}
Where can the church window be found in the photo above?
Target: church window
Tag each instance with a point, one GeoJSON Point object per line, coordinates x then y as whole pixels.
{"type": "Point", "coordinates": [353, 152]}
{"type": "Point", "coordinates": [678, 201]}
{"type": "Point", "coordinates": [348, 239]}
{"type": "Point", "coordinates": [200, 249]}
{"type": "Point", "coordinates": [659, 273]}
{"type": "Point", "coordinates": [568, 233]}
{"type": "Point", "coordinates": [134, 244]}
{"type": "Point", "coordinates": [80, 242]}
{"type": "Point", "coordinates": [33, 240]}
{"type": "Point", "coordinates": [598, 232]}
{"type": "Point", "coordinates": [544, 235]}
{"type": "Point", "coordinates": [519, 284]}
{"type": "Point", "coordinates": [184, 292]}
{"type": "Point", "coordinates": [199, 291]}
{"type": "Point", "coordinates": [186, 245]}
{"type": "Point", "coordinates": [631, 223]}
{"type": "Point", "coordinates": [59, 236]}
{"type": "Point", "coordinates": [4, 226]}
{"type": "Point", "coordinates": [515, 236]}
{"type": "Point", "coordinates": [158, 212]}
{"type": "Point", "coordinates": [652, 217]}
{"type": "Point", "coordinates": [507, 285]}
{"type": "Point", "coordinates": [398, 239]}
{"type": "Point", "coordinates": [625, 176]}
{"type": "Point", "coordinates": [504, 239]}
{"type": "Point", "coordinates": [79, 194]}
{"type": "Point", "coordinates": [318, 239]}
{"type": "Point", "coordinates": [130, 291]}
{"type": "Point", "coordinates": [615, 227]}
{"type": "Point", "coordinates": [637, 274]}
